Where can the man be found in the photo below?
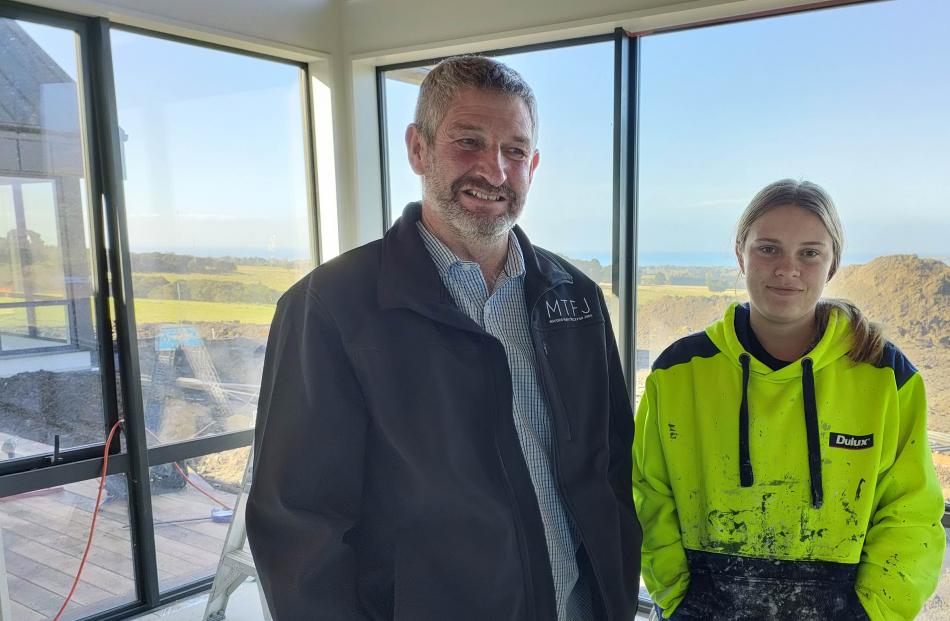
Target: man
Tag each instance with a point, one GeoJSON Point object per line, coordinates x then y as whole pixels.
{"type": "Point", "coordinates": [444, 432]}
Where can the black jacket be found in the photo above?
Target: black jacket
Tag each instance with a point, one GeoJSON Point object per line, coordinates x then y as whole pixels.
{"type": "Point", "coordinates": [389, 481]}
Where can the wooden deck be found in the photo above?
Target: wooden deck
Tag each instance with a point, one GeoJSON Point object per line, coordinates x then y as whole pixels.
{"type": "Point", "coordinates": [44, 536]}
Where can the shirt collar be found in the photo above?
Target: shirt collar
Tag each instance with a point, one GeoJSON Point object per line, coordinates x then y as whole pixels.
{"type": "Point", "coordinates": [408, 277]}
{"type": "Point", "coordinates": [445, 260]}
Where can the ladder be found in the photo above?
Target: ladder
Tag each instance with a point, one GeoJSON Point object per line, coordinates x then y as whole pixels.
{"type": "Point", "coordinates": [236, 564]}
{"type": "Point", "coordinates": [202, 367]}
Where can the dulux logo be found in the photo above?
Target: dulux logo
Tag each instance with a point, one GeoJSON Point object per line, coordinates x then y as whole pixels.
{"type": "Point", "coordinates": [567, 309]}
{"type": "Point", "coordinates": [844, 440]}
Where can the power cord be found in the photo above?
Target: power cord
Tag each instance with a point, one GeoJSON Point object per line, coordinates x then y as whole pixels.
{"type": "Point", "coordinates": [185, 476]}
{"type": "Point", "coordinates": [95, 513]}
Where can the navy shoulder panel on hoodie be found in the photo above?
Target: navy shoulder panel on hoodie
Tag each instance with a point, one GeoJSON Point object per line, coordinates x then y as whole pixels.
{"type": "Point", "coordinates": [895, 359]}
{"type": "Point", "coordinates": [697, 345]}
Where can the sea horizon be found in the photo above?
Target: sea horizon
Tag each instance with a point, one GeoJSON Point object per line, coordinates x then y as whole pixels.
{"type": "Point", "coordinates": [646, 259]}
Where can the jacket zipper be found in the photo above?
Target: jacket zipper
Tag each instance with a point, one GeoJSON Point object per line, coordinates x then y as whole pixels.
{"type": "Point", "coordinates": [543, 360]}
{"type": "Point", "coordinates": [557, 401]}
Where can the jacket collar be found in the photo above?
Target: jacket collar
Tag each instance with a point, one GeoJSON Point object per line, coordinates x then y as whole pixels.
{"type": "Point", "coordinates": [409, 278]}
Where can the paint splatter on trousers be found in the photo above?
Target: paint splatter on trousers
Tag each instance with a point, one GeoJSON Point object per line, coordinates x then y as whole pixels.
{"type": "Point", "coordinates": [724, 587]}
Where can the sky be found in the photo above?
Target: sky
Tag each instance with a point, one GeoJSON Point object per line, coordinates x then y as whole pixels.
{"type": "Point", "coordinates": [213, 149]}
{"type": "Point", "coordinates": [853, 98]}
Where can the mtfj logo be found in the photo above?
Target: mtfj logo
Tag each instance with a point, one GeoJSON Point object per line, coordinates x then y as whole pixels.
{"type": "Point", "coordinates": [567, 309]}
{"type": "Point", "coordinates": [844, 440]}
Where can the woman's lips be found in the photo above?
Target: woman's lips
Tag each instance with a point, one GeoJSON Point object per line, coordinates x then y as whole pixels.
{"type": "Point", "coordinates": [784, 290]}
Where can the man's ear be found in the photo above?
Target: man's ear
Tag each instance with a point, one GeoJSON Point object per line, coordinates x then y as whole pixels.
{"type": "Point", "coordinates": [535, 159]}
{"type": "Point", "coordinates": [416, 149]}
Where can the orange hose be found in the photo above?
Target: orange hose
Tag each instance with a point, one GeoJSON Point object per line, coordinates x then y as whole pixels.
{"type": "Point", "coordinates": [191, 483]}
{"type": "Point", "coordinates": [95, 513]}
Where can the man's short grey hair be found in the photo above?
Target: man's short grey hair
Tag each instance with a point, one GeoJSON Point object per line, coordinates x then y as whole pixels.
{"type": "Point", "coordinates": [451, 76]}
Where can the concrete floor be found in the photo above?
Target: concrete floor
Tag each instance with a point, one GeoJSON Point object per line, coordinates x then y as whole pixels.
{"type": "Point", "coordinates": [243, 605]}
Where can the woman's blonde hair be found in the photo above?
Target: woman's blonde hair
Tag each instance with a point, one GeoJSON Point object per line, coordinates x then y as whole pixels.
{"type": "Point", "coordinates": [868, 338]}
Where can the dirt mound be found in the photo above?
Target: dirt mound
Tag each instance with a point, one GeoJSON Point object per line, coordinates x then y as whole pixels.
{"type": "Point", "coordinates": [910, 296]}
{"type": "Point", "coordinates": [39, 405]}
{"type": "Point", "coordinates": [663, 320]}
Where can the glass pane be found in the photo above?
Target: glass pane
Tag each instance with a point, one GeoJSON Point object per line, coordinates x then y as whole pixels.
{"type": "Point", "coordinates": [570, 205]}
{"type": "Point", "coordinates": [216, 196]}
{"type": "Point", "coordinates": [49, 376]}
{"type": "Point", "coordinates": [727, 109]}
{"type": "Point", "coordinates": [44, 534]}
{"type": "Point", "coordinates": [192, 503]}
{"type": "Point", "coordinates": [707, 145]}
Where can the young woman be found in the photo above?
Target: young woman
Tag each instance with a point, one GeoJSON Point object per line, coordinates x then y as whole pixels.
{"type": "Point", "coordinates": [781, 462]}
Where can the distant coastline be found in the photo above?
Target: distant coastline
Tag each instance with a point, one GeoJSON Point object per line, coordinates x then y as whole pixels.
{"type": "Point", "coordinates": [646, 259]}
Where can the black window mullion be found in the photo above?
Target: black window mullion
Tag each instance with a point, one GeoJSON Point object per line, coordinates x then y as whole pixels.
{"type": "Point", "coordinates": [383, 147]}
{"type": "Point", "coordinates": [625, 194]}
{"type": "Point", "coordinates": [100, 262]}
{"type": "Point", "coordinates": [110, 167]}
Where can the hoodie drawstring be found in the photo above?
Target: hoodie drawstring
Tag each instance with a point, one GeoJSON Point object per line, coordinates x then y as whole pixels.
{"type": "Point", "coordinates": [811, 431]}
{"type": "Point", "coordinates": [746, 476]}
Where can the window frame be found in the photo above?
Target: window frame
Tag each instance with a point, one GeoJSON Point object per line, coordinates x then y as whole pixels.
{"type": "Point", "coordinates": [112, 274]}
{"type": "Point", "coordinates": [626, 161]}
{"type": "Point", "coordinates": [623, 223]}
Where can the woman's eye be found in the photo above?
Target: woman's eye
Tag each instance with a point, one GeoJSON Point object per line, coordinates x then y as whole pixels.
{"type": "Point", "coordinates": [767, 249]}
{"type": "Point", "coordinates": [810, 253]}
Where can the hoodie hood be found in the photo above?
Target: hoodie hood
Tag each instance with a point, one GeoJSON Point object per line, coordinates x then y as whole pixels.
{"type": "Point", "coordinates": [834, 344]}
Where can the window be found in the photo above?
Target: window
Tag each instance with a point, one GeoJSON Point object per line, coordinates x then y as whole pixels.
{"type": "Point", "coordinates": [191, 501]}
{"type": "Point", "coordinates": [50, 385]}
{"type": "Point", "coordinates": [43, 538]}
{"type": "Point", "coordinates": [192, 200]}
{"type": "Point", "coordinates": [218, 213]}
{"type": "Point", "coordinates": [570, 206]}
{"type": "Point", "coordinates": [725, 110]}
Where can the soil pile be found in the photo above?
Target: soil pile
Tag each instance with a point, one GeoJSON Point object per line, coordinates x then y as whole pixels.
{"type": "Point", "coordinates": [910, 298]}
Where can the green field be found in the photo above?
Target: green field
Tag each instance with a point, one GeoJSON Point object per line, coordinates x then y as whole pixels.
{"type": "Point", "coordinates": [152, 311]}
{"type": "Point", "coordinates": [14, 319]}
{"type": "Point", "coordinates": [276, 278]}
{"type": "Point", "coordinates": [649, 293]}
{"type": "Point", "coordinates": [174, 311]}
{"type": "Point", "coordinates": [149, 311]}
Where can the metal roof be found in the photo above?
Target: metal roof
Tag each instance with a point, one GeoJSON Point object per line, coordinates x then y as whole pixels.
{"type": "Point", "coordinates": [24, 69]}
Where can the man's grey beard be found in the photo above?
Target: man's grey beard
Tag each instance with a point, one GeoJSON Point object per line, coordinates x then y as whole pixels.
{"type": "Point", "coordinates": [474, 226]}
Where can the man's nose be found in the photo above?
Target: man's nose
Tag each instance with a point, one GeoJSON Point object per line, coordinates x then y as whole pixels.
{"type": "Point", "coordinates": [492, 167]}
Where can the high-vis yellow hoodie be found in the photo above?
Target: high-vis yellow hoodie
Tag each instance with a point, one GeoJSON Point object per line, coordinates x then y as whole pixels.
{"type": "Point", "coordinates": [821, 469]}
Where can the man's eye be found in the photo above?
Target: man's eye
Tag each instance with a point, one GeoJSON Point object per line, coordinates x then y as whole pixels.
{"type": "Point", "coordinates": [467, 142]}
{"type": "Point", "coordinates": [517, 153]}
